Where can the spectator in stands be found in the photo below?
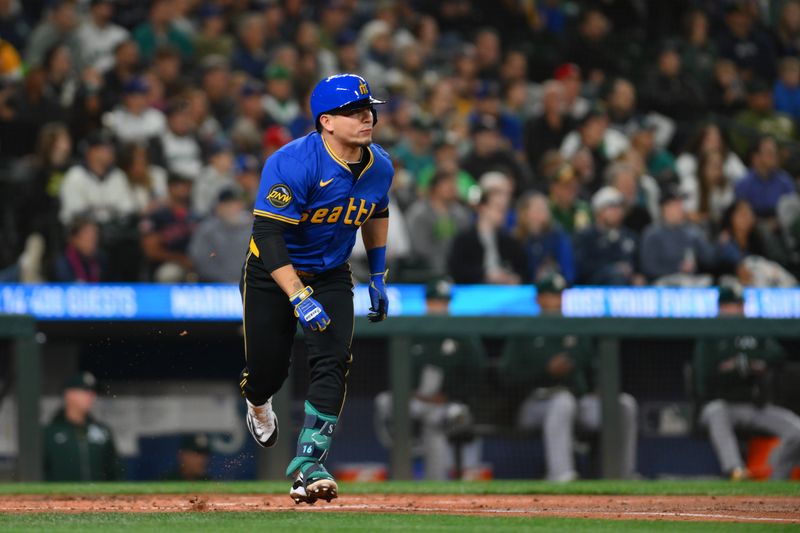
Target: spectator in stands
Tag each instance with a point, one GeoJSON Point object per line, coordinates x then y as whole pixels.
{"type": "Point", "coordinates": [58, 26]}
{"type": "Point", "coordinates": [218, 244]}
{"type": "Point", "coordinates": [727, 94]}
{"type": "Point", "coordinates": [760, 118]}
{"type": "Point", "coordinates": [148, 182]}
{"type": "Point", "coordinates": [135, 121]}
{"type": "Point", "coordinates": [206, 126]}
{"type": "Point", "coordinates": [220, 241]}
{"type": "Point", "coordinates": [698, 51]}
{"type": "Point", "coordinates": [575, 105]}
{"type": "Point", "coordinates": [39, 177]}
{"type": "Point", "coordinates": [124, 68]}
{"type": "Point", "coordinates": [194, 452]}
{"type": "Point", "coordinates": [731, 383]}
{"type": "Point", "coordinates": [445, 156]}
{"type": "Point", "coordinates": [253, 119]}
{"type": "Point", "coordinates": [77, 446]}
{"type": "Point", "coordinates": [211, 38]}
{"type": "Point", "coordinates": [554, 376]}
{"type": "Point", "coordinates": [307, 40]}
{"type": "Point", "coordinates": [167, 66]}
{"type": "Point", "coordinates": [708, 137]}
{"type": "Point", "coordinates": [13, 25]}
{"type": "Point", "coordinates": [376, 43]}
{"type": "Point", "coordinates": [547, 131]}
{"type": "Point", "coordinates": [501, 186]}
{"type": "Point", "coordinates": [740, 236]}
{"type": "Point", "coordinates": [447, 377]}
{"type": "Point", "coordinates": [96, 186]}
{"type": "Point", "coordinates": [488, 103]}
{"type": "Point", "coordinates": [61, 84]}
{"type": "Point", "coordinates": [744, 42]}
{"type": "Point", "coordinates": [167, 231]}
{"type": "Point", "coordinates": [442, 104]}
{"type": "Point", "coordinates": [674, 251]}
{"type": "Point", "coordinates": [215, 177]}
{"type": "Point", "coordinates": [787, 32]}
{"type": "Point", "coordinates": [275, 137]}
{"type": "Point", "coordinates": [786, 91]}
{"type": "Point", "coordinates": [279, 101]}
{"type": "Point", "coordinates": [160, 29]}
{"type": "Point", "coordinates": [247, 175]}
{"type": "Point", "coordinates": [434, 222]}
{"type": "Point", "coordinates": [98, 37]}
{"type": "Point", "coordinates": [348, 56]}
{"type": "Point", "coordinates": [623, 177]}
{"type": "Point", "coordinates": [766, 182]}
{"type": "Point", "coordinates": [603, 143]}
{"type": "Point", "coordinates": [250, 56]}
{"type": "Point", "coordinates": [714, 191]}
{"type": "Point", "coordinates": [607, 252]}
{"type": "Point", "coordinates": [659, 163]}
{"type": "Point", "coordinates": [82, 260]}
{"type": "Point", "coordinates": [670, 91]}
{"type": "Point", "coordinates": [490, 153]}
{"type": "Point", "coordinates": [547, 248]}
{"type": "Point", "coordinates": [566, 207]}
{"type": "Point", "coordinates": [414, 151]}
{"type": "Point", "coordinates": [592, 49]}
{"type": "Point", "coordinates": [647, 183]}
{"type": "Point", "coordinates": [177, 149]}
{"type": "Point", "coordinates": [486, 252]}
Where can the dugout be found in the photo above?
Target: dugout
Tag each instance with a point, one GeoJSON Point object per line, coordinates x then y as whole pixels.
{"type": "Point", "coordinates": [642, 356]}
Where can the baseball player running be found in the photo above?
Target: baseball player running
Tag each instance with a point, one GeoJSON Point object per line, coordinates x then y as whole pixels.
{"type": "Point", "coordinates": [315, 193]}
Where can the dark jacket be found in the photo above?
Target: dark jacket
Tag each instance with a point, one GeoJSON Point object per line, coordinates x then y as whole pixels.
{"type": "Point", "coordinates": [736, 382]}
{"type": "Point", "coordinates": [599, 254]}
{"type": "Point", "coordinates": [79, 453]}
{"type": "Point", "coordinates": [466, 257]}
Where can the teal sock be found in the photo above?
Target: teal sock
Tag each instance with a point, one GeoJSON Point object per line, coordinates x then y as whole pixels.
{"type": "Point", "coordinates": [314, 440]}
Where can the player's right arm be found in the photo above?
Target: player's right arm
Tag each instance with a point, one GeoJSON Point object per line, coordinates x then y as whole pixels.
{"type": "Point", "coordinates": [279, 205]}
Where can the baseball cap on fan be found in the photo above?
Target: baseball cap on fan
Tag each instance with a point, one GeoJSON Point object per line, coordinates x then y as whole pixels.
{"type": "Point", "coordinates": [607, 197]}
{"type": "Point", "coordinates": [567, 70]}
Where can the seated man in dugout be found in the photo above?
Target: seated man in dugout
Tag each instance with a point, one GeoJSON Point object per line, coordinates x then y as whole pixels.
{"type": "Point", "coordinates": [555, 374]}
{"type": "Point", "coordinates": [731, 381]}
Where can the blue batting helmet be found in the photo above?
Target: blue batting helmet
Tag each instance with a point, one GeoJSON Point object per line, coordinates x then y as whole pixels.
{"type": "Point", "coordinates": [341, 92]}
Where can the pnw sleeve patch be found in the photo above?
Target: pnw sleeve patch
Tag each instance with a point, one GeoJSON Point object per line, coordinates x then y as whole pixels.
{"type": "Point", "coordinates": [279, 196]}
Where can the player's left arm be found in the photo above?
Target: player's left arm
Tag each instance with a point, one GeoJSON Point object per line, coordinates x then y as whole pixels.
{"type": "Point", "coordinates": [374, 233]}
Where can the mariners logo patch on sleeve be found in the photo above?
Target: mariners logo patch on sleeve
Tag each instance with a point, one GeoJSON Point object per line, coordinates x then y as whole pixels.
{"type": "Point", "coordinates": [279, 195]}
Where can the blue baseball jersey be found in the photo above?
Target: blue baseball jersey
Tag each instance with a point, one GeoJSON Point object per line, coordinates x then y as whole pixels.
{"type": "Point", "coordinates": [308, 186]}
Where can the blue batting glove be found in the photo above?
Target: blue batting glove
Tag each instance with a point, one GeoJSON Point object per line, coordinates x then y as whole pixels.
{"type": "Point", "coordinates": [311, 314]}
{"type": "Point", "coordinates": [378, 297]}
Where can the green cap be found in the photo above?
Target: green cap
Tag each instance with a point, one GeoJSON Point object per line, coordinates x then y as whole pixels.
{"type": "Point", "coordinates": [439, 289]}
{"type": "Point", "coordinates": [82, 380]}
{"type": "Point", "coordinates": [198, 442]}
{"type": "Point", "coordinates": [277, 72]}
{"type": "Point", "coordinates": [552, 282]}
{"type": "Point", "coordinates": [731, 292]}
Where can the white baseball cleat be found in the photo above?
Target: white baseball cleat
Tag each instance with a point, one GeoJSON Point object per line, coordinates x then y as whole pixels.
{"type": "Point", "coordinates": [262, 423]}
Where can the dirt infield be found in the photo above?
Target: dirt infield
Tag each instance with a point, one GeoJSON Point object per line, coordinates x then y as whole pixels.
{"type": "Point", "coordinates": [691, 508]}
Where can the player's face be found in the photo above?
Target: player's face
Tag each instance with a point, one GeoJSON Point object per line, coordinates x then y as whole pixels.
{"type": "Point", "coordinates": [354, 127]}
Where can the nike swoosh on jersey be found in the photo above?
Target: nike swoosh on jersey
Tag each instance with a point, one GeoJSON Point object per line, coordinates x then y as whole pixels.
{"type": "Point", "coordinates": [325, 183]}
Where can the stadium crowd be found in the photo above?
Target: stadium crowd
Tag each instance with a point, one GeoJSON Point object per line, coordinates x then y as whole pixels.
{"type": "Point", "coordinates": [618, 142]}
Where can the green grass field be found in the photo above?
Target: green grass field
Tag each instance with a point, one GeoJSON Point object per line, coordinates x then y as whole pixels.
{"type": "Point", "coordinates": [319, 520]}
{"type": "Point", "coordinates": [351, 522]}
